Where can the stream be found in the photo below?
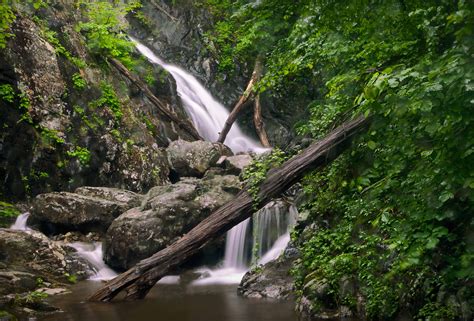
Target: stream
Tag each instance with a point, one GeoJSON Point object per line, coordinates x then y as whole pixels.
{"type": "Point", "coordinates": [172, 302]}
{"type": "Point", "coordinates": [203, 294]}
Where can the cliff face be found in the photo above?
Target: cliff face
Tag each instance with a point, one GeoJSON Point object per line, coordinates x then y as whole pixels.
{"type": "Point", "coordinates": [68, 118]}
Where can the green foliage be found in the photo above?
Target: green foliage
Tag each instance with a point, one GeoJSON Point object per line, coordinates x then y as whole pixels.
{"type": "Point", "coordinates": [394, 212]}
{"type": "Point", "coordinates": [8, 210]}
{"type": "Point", "coordinates": [8, 16]}
{"type": "Point", "coordinates": [105, 29]}
{"type": "Point", "coordinates": [255, 173]}
{"type": "Point", "coordinates": [52, 37]}
{"type": "Point", "coordinates": [435, 311]}
{"type": "Point", "coordinates": [19, 100]}
{"type": "Point", "coordinates": [82, 154]}
{"type": "Point", "coordinates": [31, 298]}
{"type": "Point", "coordinates": [7, 93]}
{"type": "Point", "coordinates": [50, 136]}
{"type": "Point", "coordinates": [78, 82]}
{"type": "Point", "coordinates": [71, 278]}
{"type": "Point", "coordinates": [109, 100]}
{"type": "Point", "coordinates": [7, 316]}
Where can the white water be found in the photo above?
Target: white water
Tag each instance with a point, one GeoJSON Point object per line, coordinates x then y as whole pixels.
{"type": "Point", "coordinates": [269, 236]}
{"type": "Point", "coordinates": [20, 223]}
{"type": "Point", "coordinates": [207, 114]}
{"type": "Point", "coordinates": [92, 252]}
{"type": "Point", "coordinates": [235, 246]}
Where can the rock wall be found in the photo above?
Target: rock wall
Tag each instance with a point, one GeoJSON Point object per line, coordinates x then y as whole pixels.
{"type": "Point", "coordinates": [58, 129]}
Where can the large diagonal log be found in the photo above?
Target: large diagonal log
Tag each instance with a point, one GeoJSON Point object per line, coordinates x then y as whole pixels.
{"type": "Point", "coordinates": [184, 124]}
{"type": "Point", "coordinates": [137, 281]}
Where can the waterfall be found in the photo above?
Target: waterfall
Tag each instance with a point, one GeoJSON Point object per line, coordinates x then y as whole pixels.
{"type": "Point", "coordinates": [92, 253]}
{"type": "Point", "coordinates": [235, 246]}
{"type": "Point", "coordinates": [20, 222]}
{"type": "Point", "coordinates": [270, 232]}
{"type": "Point", "coordinates": [207, 114]}
{"type": "Point", "coordinates": [270, 236]}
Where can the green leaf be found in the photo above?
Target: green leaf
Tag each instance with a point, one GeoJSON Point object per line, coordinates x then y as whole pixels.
{"type": "Point", "coordinates": [445, 196]}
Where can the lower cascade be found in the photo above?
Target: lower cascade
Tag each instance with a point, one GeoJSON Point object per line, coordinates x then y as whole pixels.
{"type": "Point", "coordinates": [20, 223]}
{"type": "Point", "coordinates": [92, 252]}
{"type": "Point", "coordinates": [256, 240]}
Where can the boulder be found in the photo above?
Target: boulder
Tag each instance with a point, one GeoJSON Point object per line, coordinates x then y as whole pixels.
{"type": "Point", "coordinates": [235, 164]}
{"type": "Point", "coordinates": [272, 280]}
{"type": "Point", "coordinates": [16, 282]}
{"type": "Point", "coordinates": [194, 158]}
{"type": "Point", "coordinates": [130, 199]}
{"type": "Point", "coordinates": [167, 213]}
{"type": "Point", "coordinates": [27, 256]}
{"type": "Point", "coordinates": [90, 209]}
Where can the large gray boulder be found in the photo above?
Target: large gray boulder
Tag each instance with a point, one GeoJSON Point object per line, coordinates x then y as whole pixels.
{"type": "Point", "coordinates": [167, 213]}
{"type": "Point", "coordinates": [194, 158]}
{"type": "Point", "coordinates": [272, 280]}
{"type": "Point", "coordinates": [236, 164]}
{"type": "Point", "coordinates": [128, 198]}
{"type": "Point", "coordinates": [27, 256]}
{"type": "Point", "coordinates": [90, 209]}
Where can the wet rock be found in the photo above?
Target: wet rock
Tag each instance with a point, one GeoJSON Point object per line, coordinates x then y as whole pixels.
{"type": "Point", "coordinates": [52, 291]}
{"type": "Point", "coordinates": [235, 164]}
{"type": "Point", "coordinates": [60, 212]}
{"type": "Point", "coordinates": [194, 158]}
{"type": "Point", "coordinates": [272, 280]}
{"type": "Point", "coordinates": [71, 237]}
{"type": "Point", "coordinates": [129, 198]}
{"type": "Point", "coordinates": [30, 255]}
{"type": "Point", "coordinates": [16, 282]}
{"type": "Point", "coordinates": [167, 213]}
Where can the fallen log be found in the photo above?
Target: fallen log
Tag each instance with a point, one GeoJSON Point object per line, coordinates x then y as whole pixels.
{"type": "Point", "coordinates": [137, 281]}
{"type": "Point", "coordinates": [186, 125]}
{"type": "Point", "coordinates": [256, 74]}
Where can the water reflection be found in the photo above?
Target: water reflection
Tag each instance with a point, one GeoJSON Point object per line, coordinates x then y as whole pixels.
{"type": "Point", "coordinates": [172, 302]}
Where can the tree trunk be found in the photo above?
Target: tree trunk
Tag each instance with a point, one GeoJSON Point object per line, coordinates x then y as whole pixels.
{"type": "Point", "coordinates": [138, 280]}
{"type": "Point", "coordinates": [258, 122]}
{"type": "Point", "coordinates": [157, 6]}
{"type": "Point", "coordinates": [186, 125]}
{"type": "Point", "coordinates": [256, 74]}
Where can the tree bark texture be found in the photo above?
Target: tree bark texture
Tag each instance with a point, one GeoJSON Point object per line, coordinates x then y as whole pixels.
{"type": "Point", "coordinates": [258, 122]}
{"type": "Point", "coordinates": [256, 74]}
{"type": "Point", "coordinates": [164, 110]}
{"type": "Point", "coordinates": [137, 281]}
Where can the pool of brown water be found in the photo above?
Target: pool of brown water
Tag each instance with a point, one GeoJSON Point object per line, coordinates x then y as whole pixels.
{"type": "Point", "coordinates": [172, 302]}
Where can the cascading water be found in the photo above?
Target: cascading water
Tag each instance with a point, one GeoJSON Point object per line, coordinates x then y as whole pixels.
{"type": "Point", "coordinates": [207, 114]}
{"type": "Point", "coordinates": [265, 242]}
{"type": "Point", "coordinates": [282, 241]}
{"type": "Point", "coordinates": [20, 223]}
{"type": "Point", "coordinates": [270, 233]}
{"type": "Point", "coordinates": [92, 253]}
{"type": "Point", "coordinates": [235, 246]}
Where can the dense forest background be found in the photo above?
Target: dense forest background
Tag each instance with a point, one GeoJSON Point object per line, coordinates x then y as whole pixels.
{"type": "Point", "coordinates": [389, 227]}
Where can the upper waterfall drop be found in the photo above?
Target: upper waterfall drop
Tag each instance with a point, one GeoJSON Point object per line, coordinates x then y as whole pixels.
{"type": "Point", "coordinates": [207, 114]}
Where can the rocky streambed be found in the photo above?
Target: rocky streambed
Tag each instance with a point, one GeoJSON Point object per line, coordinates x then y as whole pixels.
{"type": "Point", "coordinates": [41, 262]}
